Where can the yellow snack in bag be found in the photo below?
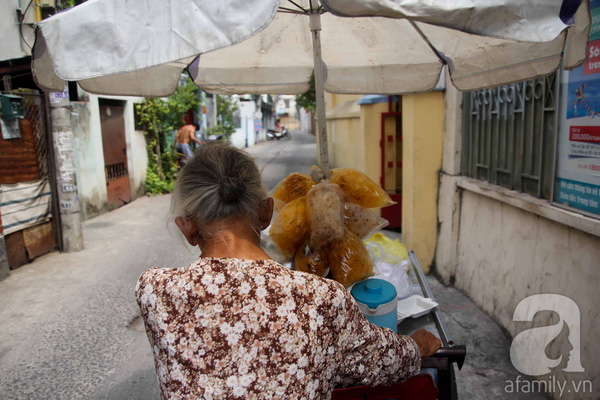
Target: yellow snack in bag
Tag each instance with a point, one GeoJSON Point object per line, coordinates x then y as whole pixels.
{"type": "Point", "coordinates": [362, 221]}
{"type": "Point", "coordinates": [294, 186]}
{"type": "Point", "coordinates": [325, 202]}
{"type": "Point", "coordinates": [314, 262]}
{"type": "Point", "coordinates": [360, 189]}
{"type": "Point", "coordinates": [291, 228]}
{"type": "Point", "coordinates": [349, 260]}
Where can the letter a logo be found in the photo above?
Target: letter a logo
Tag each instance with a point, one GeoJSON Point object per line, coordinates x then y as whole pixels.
{"type": "Point", "coordinates": [527, 350]}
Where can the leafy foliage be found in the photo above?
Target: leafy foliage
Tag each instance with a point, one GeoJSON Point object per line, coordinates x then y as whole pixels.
{"type": "Point", "coordinates": [66, 4]}
{"type": "Point", "coordinates": [308, 99]}
{"type": "Point", "coordinates": [159, 118]}
{"type": "Point", "coordinates": [226, 108]}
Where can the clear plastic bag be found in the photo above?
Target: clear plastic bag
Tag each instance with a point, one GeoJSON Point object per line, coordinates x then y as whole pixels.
{"type": "Point", "coordinates": [362, 221]}
{"type": "Point", "coordinates": [349, 260]}
{"type": "Point", "coordinates": [325, 202]}
{"type": "Point", "coordinates": [391, 261]}
{"type": "Point", "coordinates": [360, 189]}
{"type": "Point", "coordinates": [291, 227]}
{"type": "Point", "coordinates": [312, 261]}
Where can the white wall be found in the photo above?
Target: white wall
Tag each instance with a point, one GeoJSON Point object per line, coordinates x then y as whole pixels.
{"type": "Point", "coordinates": [245, 136]}
{"type": "Point", "coordinates": [11, 45]}
{"type": "Point", "coordinates": [91, 177]}
{"type": "Point", "coordinates": [500, 246]}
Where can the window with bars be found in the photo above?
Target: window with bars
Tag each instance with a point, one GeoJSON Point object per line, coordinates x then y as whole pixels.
{"type": "Point", "coordinates": [509, 135]}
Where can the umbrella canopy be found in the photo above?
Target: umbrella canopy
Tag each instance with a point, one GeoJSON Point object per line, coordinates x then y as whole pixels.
{"type": "Point", "coordinates": [125, 48]}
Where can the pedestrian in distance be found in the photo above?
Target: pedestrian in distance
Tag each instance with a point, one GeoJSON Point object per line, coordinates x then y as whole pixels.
{"type": "Point", "coordinates": [236, 324]}
{"type": "Point", "coordinates": [184, 137]}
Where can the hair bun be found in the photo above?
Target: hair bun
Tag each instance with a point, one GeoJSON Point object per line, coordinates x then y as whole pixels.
{"type": "Point", "coordinates": [231, 189]}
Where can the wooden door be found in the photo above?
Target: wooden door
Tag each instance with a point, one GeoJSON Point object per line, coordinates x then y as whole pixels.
{"type": "Point", "coordinates": [115, 153]}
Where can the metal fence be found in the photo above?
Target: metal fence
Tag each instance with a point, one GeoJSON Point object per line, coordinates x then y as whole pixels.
{"type": "Point", "coordinates": [509, 135]}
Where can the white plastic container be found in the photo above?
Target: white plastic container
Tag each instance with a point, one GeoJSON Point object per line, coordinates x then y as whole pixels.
{"type": "Point", "coordinates": [415, 306]}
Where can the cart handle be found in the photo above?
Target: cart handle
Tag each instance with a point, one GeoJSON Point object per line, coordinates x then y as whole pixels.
{"type": "Point", "coordinates": [455, 354]}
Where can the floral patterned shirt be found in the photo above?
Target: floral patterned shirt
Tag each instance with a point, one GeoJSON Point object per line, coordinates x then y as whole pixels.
{"type": "Point", "coordinates": [226, 328]}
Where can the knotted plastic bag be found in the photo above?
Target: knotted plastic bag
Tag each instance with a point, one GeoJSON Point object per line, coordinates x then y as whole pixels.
{"type": "Point", "coordinates": [391, 259]}
{"type": "Point", "coordinates": [325, 202]}
{"type": "Point", "coordinates": [362, 221]}
{"type": "Point", "coordinates": [293, 187]}
{"type": "Point", "coordinates": [360, 189]}
{"type": "Point", "coordinates": [313, 261]}
{"type": "Point", "coordinates": [349, 260]}
{"type": "Point", "coordinates": [291, 227]}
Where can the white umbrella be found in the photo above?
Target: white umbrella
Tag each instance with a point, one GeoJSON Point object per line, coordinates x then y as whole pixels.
{"type": "Point", "coordinates": [390, 46]}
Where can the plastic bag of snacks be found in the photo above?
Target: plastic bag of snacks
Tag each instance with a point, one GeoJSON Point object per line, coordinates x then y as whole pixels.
{"type": "Point", "coordinates": [325, 203]}
{"type": "Point", "coordinates": [290, 228]}
{"type": "Point", "coordinates": [360, 189]}
{"type": "Point", "coordinates": [349, 260]}
{"type": "Point", "coordinates": [293, 187]}
{"type": "Point", "coordinates": [313, 261]}
{"type": "Point", "coordinates": [362, 221]}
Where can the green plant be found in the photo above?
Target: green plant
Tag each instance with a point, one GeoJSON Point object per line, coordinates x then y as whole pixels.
{"type": "Point", "coordinates": [308, 99]}
{"type": "Point", "coordinates": [155, 185]}
{"type": "Point", "coordinates": [159, 118]}
{"type": "Point", "coordinates": [66, 4]}
{"type": "Point", "coordinates": [226, 108]}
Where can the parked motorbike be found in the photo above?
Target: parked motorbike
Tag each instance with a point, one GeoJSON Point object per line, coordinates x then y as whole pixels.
{"type": "Point", "coordinates": [281, 134]}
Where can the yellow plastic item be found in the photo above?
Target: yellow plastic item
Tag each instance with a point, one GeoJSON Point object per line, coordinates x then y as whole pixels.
{"type": "Point", "coordinates": [360, 189]}
{"type": "Point", "coordinates": [386, 249]}
{"type": "Point", "coordinates": [293, 187]}
{"type": "Point", "coordinates": [314, 262]}
{"type": "Point", "coordinates": [291, 228]}
{"type": "Point", "coordinates": [349, 260]}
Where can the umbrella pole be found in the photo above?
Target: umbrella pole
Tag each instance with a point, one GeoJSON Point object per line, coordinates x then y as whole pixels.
{"type": "Point", "coordinates": [315, 28]}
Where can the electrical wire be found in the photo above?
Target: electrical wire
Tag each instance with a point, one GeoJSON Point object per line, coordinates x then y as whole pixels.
{"type": "Point", "coordinates": [21, 23]}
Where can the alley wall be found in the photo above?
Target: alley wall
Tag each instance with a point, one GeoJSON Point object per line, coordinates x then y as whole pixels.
{"type": "Point", "coordinates": [501, 246]}
{"type": "Point", "coordinates": [90, 158]}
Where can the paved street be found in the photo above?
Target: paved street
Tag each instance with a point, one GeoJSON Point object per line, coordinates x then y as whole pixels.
{"type": "Point", "coordinates": [70, 325]}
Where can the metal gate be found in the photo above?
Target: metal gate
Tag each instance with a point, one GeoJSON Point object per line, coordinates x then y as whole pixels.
{"type": "Point", "coordinates": [115, 153]}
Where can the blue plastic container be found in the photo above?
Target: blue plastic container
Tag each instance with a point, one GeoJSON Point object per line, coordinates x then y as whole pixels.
{"type": "Point", "coordinates": [377, 300]}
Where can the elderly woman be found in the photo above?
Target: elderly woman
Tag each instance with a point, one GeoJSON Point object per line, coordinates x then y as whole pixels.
{"type": "Point", "coordinates": [236, 324]}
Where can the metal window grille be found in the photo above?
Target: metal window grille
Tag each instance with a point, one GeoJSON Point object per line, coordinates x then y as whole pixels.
{"type": "Point", "coordinates": [508, 135]}
{"type": "Point", "coordinates": [34, 111]}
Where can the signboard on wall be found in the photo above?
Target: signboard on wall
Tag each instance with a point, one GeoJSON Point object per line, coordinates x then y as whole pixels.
{"type": "Point", "coordinates": [577, 179]}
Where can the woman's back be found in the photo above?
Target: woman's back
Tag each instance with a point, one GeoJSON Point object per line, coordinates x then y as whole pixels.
{"type": "Point", "coordinates": [227, 328]}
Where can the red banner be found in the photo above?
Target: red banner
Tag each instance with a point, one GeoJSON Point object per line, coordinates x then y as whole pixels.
{"type": "Point", "coordinates": [589, 134]}
{"type": "Point", "coordinates": [592, 65]}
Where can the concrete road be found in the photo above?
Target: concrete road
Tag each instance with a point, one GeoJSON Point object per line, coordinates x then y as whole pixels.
{"type": "Point", "coordinates": [70, 326]}
{"type": "Point", "coordinates": [279, 158]}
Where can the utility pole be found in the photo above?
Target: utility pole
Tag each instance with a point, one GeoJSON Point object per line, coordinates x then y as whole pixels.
{"type": "Point", "coordinates": [66, 180]}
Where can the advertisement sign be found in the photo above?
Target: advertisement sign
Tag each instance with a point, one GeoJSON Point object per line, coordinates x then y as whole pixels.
{"type": "Point", "coordinates": [577, 183]}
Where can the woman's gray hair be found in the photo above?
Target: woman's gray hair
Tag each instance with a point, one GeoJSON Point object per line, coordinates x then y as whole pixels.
{"type": "Point", "coordinates": [219, 182]}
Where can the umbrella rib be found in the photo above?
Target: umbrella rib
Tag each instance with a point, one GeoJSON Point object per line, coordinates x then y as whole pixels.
{"type": "Point", "coordinates": [437, 53]}
{"type": "Point", "coordinates": [299, 6]}
{"type": "Point", "coordinates": [289, 10]}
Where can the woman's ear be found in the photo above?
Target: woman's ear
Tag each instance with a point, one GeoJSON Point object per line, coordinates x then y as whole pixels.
{"type": "Point", "coordinates": [265, 213]}
{"type": "Point", "coordinates": [189, 230]}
